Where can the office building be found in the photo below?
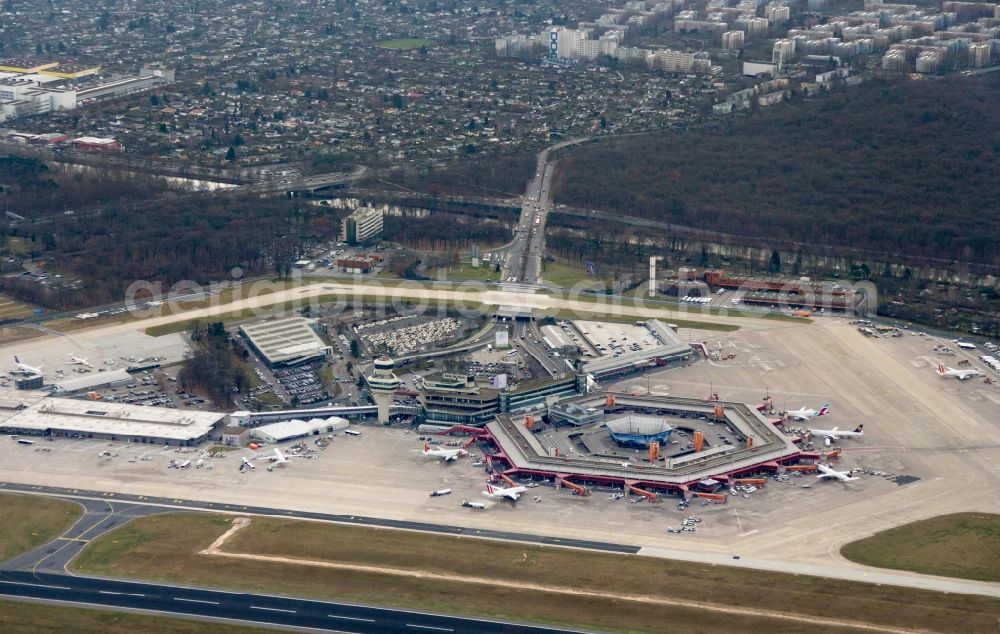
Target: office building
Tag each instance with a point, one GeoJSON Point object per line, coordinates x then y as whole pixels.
{"type": "Point", "coordinates": [363, 226]}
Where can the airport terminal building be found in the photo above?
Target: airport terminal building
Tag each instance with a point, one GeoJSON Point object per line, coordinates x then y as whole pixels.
{"type": "Point", "coordinates": [36, 413]}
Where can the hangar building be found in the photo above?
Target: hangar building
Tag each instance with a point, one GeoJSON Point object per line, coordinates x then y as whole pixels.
{"type": "Point", "coordinates": [283, 342]}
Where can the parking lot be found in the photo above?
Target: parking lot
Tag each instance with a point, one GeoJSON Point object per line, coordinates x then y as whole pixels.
{"type": "Point", "coordinates": [392, 337]}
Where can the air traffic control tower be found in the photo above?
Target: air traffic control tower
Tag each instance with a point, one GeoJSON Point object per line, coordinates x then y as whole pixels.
{"type": "Point", "coordinates": [383, 383]}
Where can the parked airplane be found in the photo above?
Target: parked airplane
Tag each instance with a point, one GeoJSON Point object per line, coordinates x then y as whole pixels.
{"type": "Point", "coordinates": [961, 375]}
{"type": "Point", "coordinates": [447, 454]}
{"type": "Point", "coordinates": [510, 493]}
{"type": "Point", "coordinates": [832, 435]}
{"type": "Point", "coordinates": [277, 460]}
{"type": "Point", "coordinates": [247, 464]}
{"type": "Point", "coordinates": [24, 368]}
{"type": "Point", "coordinates": [351, 432]}
{"type": "Point", "coordinates": [75, 360]}
{"type": "Point", "coordinates": [806, 413]}
{"type": "Point", "coordinates": [827, 472]}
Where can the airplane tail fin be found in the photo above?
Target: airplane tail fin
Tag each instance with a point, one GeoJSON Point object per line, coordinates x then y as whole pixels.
{"type": "Point", "coordinates": [860, 429]}
{"type": "Point", "coordinates": [940, 369]}
{"type": "Point", "coordinates": [16, 360]}
{"type": "Point", "coordinates": [490, 489]}
{"type": "Point", "coordinates": [427, 447]}
{"type": "Point", "coordinates": [824, 410]}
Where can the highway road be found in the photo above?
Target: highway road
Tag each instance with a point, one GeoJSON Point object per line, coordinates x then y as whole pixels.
{"type": "Point", "coordinates": [524, 254]}
{"type": "Point", "coordinates": [245, 608]}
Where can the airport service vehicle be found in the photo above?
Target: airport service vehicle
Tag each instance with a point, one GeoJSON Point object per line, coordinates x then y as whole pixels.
{"type": "Point", "coordinates": [351, 432]}
{"type": "Point", "coordinates": [961, 375]}
{"type": "Point", "coordinates": [833, 435]}
{"type": "Point", "coordinates": [474, 505]}
{"type": "Point", "coordinates": [440, 492]}
{"type": "Point", "coordinates": [806, 413]}
{"type": "Point", "coordinates": [246, 464]}
{"type": "Point", "coordinates": [510, 493]}
{"type": "Point", "coordinates": [24, 441]}
{"type": "Point", "coordinates": [184, 465]}
{"type": "Point", "coordinates": [24, 368]}
{"type": "Point", "coordinates": [446, 454]}
{"type": "Point", "coordinates": [827, 472]}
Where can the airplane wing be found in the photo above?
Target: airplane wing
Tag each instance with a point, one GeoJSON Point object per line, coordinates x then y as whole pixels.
{"type": "Point", "coordinates": [513, 496]}
{"type": "Point", "coordinates": [453, 456]}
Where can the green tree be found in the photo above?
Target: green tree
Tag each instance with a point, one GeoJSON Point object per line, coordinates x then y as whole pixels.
{"type": "Point", "coordinates": [231, 154]}
{"type": "Point", "coordinates": [774, 265]}
{"type": "Point", "coordinates": [355, 348]}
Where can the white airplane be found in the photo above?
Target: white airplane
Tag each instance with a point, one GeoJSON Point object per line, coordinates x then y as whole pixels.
{"type": "Point", "coordinates": [247, 464]}
{"type": "Point", "coordinates": [827, 472]}
{"type": "Point", "coordinates": [24, 368]}
{"type": "Point", "coordinates": [961, 375]}
{"type": "Point", "coordinates": [806, 413]}
{"type": "Point", "coordinates": [832, 435]}
{"type": "Point", "coordinates": [278, 459]}
{"type": "Point", "coordinates": [75, 360]}
{"type": "Point", "coordinates": [447, 454]}
{"type": "Point", "coordinates": [511, 493]}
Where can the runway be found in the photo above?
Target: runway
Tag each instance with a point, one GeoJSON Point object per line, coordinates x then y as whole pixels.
{"type": "Point", "coordinates": [245, 608]}
{"type": "Point", "coordinates": [160, 504]}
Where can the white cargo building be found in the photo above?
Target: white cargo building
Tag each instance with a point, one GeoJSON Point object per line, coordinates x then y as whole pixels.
{"type": "Point", "coordinates": [295, 428]}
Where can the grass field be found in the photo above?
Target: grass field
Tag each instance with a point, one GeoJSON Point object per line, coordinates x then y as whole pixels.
{"type": "Point", "coordinates": [963, 545]}
{"type": "Point", "coordinates": [28, 521]}
{"type": "Point", "coordinates": [566, 276]}
{"type": "Point", "coordinates": [166, 548]}
{"type": "Point", "coordinates": [11, 308]}
{"type": "Point", "coordinates": [465, 271]}
{"type": "Point", "coordinates": [17, 617]}
{"type": "Point", "coordinates": [405, 44]}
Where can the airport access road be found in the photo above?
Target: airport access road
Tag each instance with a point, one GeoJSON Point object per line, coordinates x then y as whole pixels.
{"type": "Point", "coordinates": [176, 504]}
{"type": "Point", "coordinates": [246, 608]}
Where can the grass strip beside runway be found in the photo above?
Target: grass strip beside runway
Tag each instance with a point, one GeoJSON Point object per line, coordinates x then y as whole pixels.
{"type": "Point", "coordinates": [669, 595]}
{"type": "Point", "coordinates": [28, 521]}
{"type": "Point", "coordinates": [962, 545]}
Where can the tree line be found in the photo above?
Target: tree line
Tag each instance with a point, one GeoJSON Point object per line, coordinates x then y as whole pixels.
{"type": "Point", "coordinates": [900, 168]}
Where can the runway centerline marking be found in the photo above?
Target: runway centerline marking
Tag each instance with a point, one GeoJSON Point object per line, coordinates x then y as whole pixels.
{"type": "Point", "coordinates": [350, 618]}
{"type": "Point", "coordinates": [196, 601]}
{"type": "Point", "coordinates": [258, 607]}
{"type": "Point", "coordinates": [430, 627]}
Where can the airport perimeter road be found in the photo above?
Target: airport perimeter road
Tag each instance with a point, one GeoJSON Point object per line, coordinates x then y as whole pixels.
{"type": "Point", "coordinates": [244, 607]}
{"type": "Point", "coordinates": [121, 500]}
